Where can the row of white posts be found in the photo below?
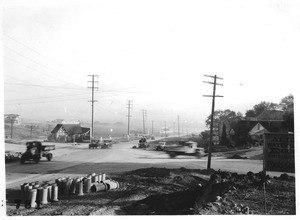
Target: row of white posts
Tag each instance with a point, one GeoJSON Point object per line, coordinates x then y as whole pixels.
{"type": "Point", "coordinates": [36, 193]}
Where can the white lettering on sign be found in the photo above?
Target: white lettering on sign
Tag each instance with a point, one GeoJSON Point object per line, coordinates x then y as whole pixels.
{"type": "Point", "coordinates": [279, 153]}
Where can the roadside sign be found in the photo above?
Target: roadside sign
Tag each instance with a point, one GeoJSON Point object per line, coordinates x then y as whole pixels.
{"type": "Point", "coordinates": [279, 153]}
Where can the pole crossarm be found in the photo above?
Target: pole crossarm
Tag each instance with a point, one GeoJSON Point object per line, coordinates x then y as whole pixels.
{"type": "Point", "coordinates": [213, 76]}
{"type": "Point", "coordinates": [212, 96]}
{"type": "Point", "coordinates": [219, 84]}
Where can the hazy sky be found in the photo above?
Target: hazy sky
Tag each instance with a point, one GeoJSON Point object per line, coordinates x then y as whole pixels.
{"type": "Point", "coordinates": [154, 53]}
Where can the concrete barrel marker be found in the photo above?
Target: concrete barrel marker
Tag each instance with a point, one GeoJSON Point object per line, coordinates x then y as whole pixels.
{"type": "Point", "coordinates": [64, 187]}
{"type": "Point", "coordinates": [44, 196]}
{"type": "Point", "coordinates": [36, 186]}
{"type": "Point", "coordinates": [49, 195]}
{"type": "Point", "coordinates": [99, 187]}
{"type": "Point", "coordinates": [32, 197]}
{"type": "Point", "coordinates": [27, 188]}
{"type": "Point", "coordinates": [86, 185]}
{"type": "Point", "coordinates": [112, 184]}
{"type": "Point", "coordinates": [59, 183]}
{"type": "Point", "coordinates": [73, 187]}
{"type": "Point", "coordinates": [23, 191]}
{"type": "Point", "coordinates": [79, 188]}
{"type": "Point", "coordinates": [39, 196]}
{"type": "Point", "coordinates": [54, 193]}
{"type": "Point", "coordinates": [93, 179]}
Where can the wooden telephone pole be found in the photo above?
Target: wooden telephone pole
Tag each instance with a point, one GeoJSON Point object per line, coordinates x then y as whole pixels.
{"type": "Point", "coordinates": [129, 106]}
{"type": "Point", "coordinates": [212, 114]}
{"type": "Point", "coordinates": [92, 101]}
{"type": "Point", "coordinates": [144, 116]}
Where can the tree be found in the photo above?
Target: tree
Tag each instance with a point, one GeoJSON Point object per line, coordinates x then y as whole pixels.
{"type": "Point", "coordinates": [221, 115]}
{"type": "Point", "coordinates": [287, 103]}
{"type": "Point", "coordinates": [204, 142]}
{"type": "Point", "coordinates": [224, 140]}
{"type": "Point", "coordinates": [260, 108]}
{"type": "Point", "coordinates": [250, 113]}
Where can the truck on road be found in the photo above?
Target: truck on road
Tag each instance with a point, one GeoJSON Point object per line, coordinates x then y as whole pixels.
{"type": "Point", "coordinates": [102, 144]}
{"type": "Point", "coordinates": [35, 150]}
{"type": "Point", "coordinates": [188, 148]}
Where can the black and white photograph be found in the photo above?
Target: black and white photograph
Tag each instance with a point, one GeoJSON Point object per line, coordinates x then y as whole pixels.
{"type": "Point", "coordinates": [149, 108]}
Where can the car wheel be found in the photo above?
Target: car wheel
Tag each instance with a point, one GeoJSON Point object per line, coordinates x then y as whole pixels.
{"type": "Point", "coordinates": [198, 155]}
{"type": "Point", "coordinates": [49, 157]}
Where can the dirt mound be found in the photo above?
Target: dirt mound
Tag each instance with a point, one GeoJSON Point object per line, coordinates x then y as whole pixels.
{"type": "Point", "coordinates": [151, 172]}
{"type": "Point", "coordinates": [161, 191]}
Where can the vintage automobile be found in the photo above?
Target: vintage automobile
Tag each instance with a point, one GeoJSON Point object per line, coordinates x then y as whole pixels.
{"type": "Point", "coordinates": [104, 144]}
{"type": "Point", "coordinates": [142, 143]}
{"type": "Point", "coordinates": [188, 148]}
{"type": "Point", "coordinates": [161, 146]}
{"type": "Point", "coordinates": [35, 150]}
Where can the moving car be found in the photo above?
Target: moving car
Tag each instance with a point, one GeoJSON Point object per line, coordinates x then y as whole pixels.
{"type": "Point", "coordinates": [35, 150]}
{"type": "Point", "coordinates": [161, 146]}
{"type": "Point", "coordinates": [188, 148]}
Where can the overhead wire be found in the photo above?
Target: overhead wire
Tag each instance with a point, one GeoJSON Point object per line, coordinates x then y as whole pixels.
{"type": "Point", "coordinates": [35, 51]}
{"type": "Point", "coordinates": [32, 60]}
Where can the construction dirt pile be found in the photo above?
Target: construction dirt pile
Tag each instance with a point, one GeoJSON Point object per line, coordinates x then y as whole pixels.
{"type": "Point", "coordinates": [161, 191]}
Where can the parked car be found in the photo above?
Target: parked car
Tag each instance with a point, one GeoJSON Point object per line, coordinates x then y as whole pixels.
{"type": "Point", "coordinates": [106, 144]}
{"type": "Point", "coordinates": [142, 143]}
{"type": "Point", "coordinates": [94, 144]}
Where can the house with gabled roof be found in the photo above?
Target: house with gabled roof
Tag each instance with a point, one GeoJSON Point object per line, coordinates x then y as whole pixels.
{"type": "Point", "coordinates": [69, 133]}
{"type": "Point", "coordinates": [250, 130]}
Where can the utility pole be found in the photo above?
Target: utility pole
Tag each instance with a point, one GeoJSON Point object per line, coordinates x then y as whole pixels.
{"type": "Point", "coordinates": [31, 127]}
{"type": "Point", "coordinates": [173, 127]}
{"type": "Point", "coordinates": [212, 113]}
{"type": "Point", "coordinates": [12, 120]}
{"type": "Point", "coordinates": [144, 115]}
{"type": "Point", "coordinates": [92, 101]}
{"type": "Point", "coordinates": [178, 126]}
{"type": "Point", "coordinates": [165, 129]}
{"type": "Point", "coordinates": [129, 106]}
{"type": "Point", "coordinates": [152, 127]}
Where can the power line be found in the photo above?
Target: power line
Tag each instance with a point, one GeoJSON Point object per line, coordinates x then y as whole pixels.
{"type": "Point", "coordinates": [15, 61]}
{"type": "Point", "coordinates": [43, 98]}
{"type": "Point", "coordinates": [212, 113]}
{"type": "Point", "coordinates": [29, 48]}
{"type": "Point", "coordinates": [46, 102]}
{"type": "Point", "coordinates": [36, 85]}
{"type": "Point", "coordinates": [40, 65]}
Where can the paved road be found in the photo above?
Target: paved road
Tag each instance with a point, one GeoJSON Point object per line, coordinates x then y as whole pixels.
{"type": "Point", "coordinates": [71, 160]}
